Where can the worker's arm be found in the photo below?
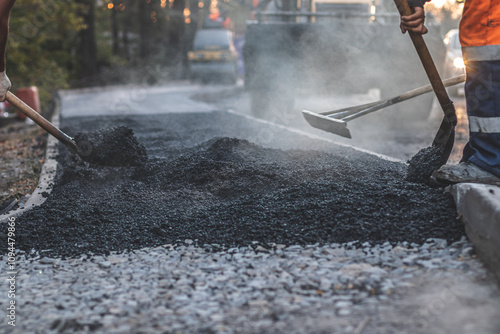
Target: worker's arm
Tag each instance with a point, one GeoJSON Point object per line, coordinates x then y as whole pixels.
{"type": "Point", "coordinates": [5, 8]}
{"type": "Point", "coordinates": [415, 22]}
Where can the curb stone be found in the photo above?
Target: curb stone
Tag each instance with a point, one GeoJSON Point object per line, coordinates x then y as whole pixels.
{"type": "Point", "coordinates": [479, 208]}
{"type": "Point", "coordinates": [47, 175]}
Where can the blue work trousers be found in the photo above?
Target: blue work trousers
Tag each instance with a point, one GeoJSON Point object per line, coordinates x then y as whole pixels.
{"type": "Point", "coordinates": [482, 92]}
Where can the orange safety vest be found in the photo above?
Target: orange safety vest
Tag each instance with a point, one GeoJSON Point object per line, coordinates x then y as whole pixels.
{"type": "Point", "coordinates": [480, 30]}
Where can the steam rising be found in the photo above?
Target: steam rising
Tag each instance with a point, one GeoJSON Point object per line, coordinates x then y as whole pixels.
{"type": "Point", "coordinates": [319, 65]}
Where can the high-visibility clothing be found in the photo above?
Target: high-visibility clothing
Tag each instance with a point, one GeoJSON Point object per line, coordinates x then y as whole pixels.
{"type": "Point", "coordinates": [480, 30]}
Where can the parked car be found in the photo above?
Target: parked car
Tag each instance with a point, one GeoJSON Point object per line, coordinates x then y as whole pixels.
{"type": "Point", "coordinates": [454, 63]}
{"type": "Point", "coordinates": [213, 56]}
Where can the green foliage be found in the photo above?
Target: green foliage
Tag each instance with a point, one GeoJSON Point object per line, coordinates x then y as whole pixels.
{"type": "Point", "coordinates": [55, 44]}
{"type": "Point", "coordinates": [139, 30]}
{"type": "Point", "coordinates": [41, 45]}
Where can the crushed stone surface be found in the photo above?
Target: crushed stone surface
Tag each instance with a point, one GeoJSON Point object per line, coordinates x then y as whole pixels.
{"type": "Point", "coordinates": [219, 189]}
{"type": "Point", "coordinates": [335, 288]}
{"type": "Point", "coordinates": [115, 146]}
{"type": "Point", "coordinates": [22, 151]}
{"type": "Point", "coordinates": [424, 163]}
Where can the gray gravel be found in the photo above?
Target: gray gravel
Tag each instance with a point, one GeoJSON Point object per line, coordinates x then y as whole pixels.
{"type": "Point", "coordinates": [184, 289]}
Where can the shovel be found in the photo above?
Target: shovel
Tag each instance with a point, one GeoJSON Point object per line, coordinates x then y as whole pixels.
{"type": "Point", "coordinates": [445, 137]}
{"type": "Point", "coordinates": [112, 147]}
{"type": "Point", "coordinates": [41, 121]}
{"type": "Point", "coordinates": [335, 121]}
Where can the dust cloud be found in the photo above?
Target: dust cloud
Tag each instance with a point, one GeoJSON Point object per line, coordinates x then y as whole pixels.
{"type": "Point", "coordinates": [342, 63]}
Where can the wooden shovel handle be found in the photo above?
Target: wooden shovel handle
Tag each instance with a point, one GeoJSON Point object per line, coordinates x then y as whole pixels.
{"type": "Point", "coordinates": [429, 66]}
{"type": "Point", "coordinates": [41, 121]}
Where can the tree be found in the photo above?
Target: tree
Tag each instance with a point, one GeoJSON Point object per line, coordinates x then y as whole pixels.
{"type": "Point", "coordinates": [87, 48]}
{"type": "Point", "coordinates": [41, 44]}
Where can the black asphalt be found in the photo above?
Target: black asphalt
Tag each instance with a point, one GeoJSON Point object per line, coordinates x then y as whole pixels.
{"type": "Point", "coordinates": [219, 179]}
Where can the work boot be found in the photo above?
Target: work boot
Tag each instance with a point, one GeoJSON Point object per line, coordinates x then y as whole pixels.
{"type": "Point", "coordinates": [465, 172]}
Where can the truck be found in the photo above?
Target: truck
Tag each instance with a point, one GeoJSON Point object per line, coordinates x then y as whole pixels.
{"type": "Point", "coordinates": [295, 47]}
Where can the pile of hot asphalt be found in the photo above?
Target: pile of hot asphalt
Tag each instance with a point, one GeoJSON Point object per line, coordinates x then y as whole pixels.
{"type": "Point", "coordinates": [206, 183]}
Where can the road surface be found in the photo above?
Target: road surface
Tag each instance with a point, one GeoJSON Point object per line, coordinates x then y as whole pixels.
{"type": "Point", "coordinates": [349, 288]}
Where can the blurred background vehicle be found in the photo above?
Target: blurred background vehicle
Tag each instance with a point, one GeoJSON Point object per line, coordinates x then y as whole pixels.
{"type": "Point", "coordinates": [213, 56]}
{"type": "Point", "coordinates": [454, 63]}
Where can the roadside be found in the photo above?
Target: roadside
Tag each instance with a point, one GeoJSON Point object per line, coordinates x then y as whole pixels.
{"type": "Point", "coordinates": [22, 154]}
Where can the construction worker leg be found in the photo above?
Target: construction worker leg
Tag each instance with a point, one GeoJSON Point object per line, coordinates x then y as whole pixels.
{"type": "Point", "coordinates": [482, 91]}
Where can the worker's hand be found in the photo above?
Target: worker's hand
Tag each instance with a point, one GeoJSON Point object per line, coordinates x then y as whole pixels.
{"type": "Point", "coordinates": [4, 85]}
{"type": "Point", "coordinates": [414, 22]}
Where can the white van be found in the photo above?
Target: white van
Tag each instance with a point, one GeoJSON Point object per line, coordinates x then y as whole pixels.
{"type": "Point", "coordinates": [213, 56]}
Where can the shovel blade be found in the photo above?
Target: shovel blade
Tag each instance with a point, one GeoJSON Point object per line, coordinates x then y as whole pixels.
{"type": "Point", "coordinates": [327, 124]}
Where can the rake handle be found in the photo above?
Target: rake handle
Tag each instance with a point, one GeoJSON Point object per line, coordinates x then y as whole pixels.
{"type": "Point", "coordinates": [429, 88]}
{"type": "Point", "coordinates": [363, 109]}
{"type": "Point", "coordinates": [41, 121]}
{"type": "Point", "coordinates": [429, 66]}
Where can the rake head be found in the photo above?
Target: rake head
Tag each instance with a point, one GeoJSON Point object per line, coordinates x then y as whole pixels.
{"type": "Point", "coordinates": [325, 123]}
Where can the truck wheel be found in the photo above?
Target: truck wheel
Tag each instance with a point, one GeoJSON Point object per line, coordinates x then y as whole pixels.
{"type": "Point", "coordinates": [272, 104]}
{"type": "Point", "coordinates": [259, 103]}
{"type": "Point", "coordinates": [192, 77]}
{"type": "Point", "coordinates": [231, 79]}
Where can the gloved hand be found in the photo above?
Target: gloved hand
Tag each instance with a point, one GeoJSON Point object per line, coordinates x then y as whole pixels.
{"type": "Point", "coordinates": [4, 85]}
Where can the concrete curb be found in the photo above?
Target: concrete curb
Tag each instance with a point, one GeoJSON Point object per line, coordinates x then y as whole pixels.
{"type": "Point", "coordinates": [479, 207]}
{"type": "Point", "coordinates": [47, 175]}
